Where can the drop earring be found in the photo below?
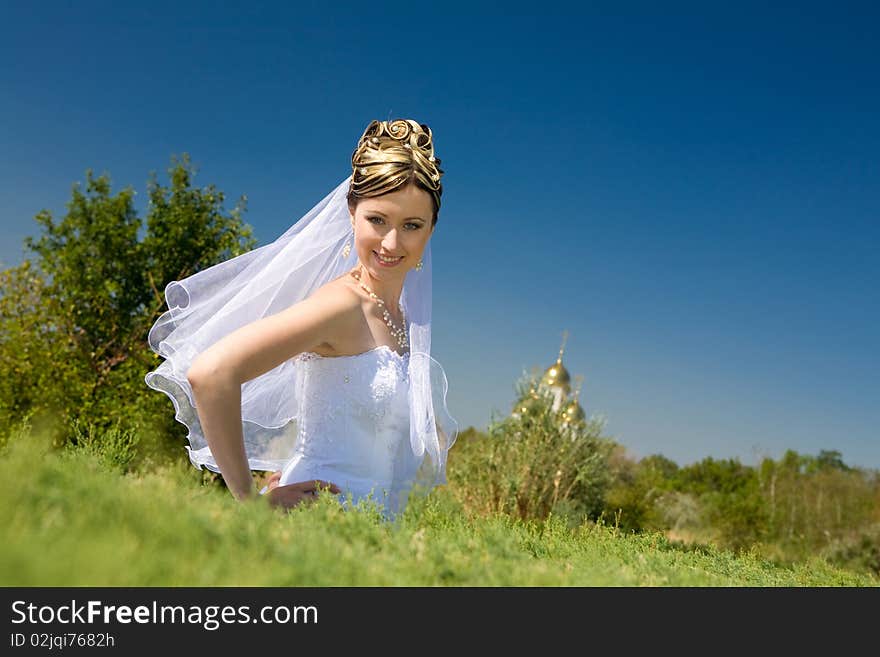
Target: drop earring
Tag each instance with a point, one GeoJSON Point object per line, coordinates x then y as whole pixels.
{"type": "Point", "coordinates": [419, 266]}
{"type": "Point", "coordinates": [347, 248]}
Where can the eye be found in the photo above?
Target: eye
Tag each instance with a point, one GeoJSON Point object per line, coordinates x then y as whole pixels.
{"type": "Point", "coordinates": [414, 225]}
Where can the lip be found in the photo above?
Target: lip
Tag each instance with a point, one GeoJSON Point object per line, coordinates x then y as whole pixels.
{"type": "Point", "coordinates": [382, 264]}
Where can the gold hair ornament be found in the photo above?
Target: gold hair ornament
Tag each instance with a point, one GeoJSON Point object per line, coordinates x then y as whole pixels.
{"type": "Point", "coordinates": [379, 157]}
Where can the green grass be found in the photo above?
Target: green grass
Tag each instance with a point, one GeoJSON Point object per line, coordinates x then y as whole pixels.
{"type": "Point", "coordinates": [71, 520]}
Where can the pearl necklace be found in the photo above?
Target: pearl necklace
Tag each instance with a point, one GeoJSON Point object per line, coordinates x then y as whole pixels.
{"type": "Point", "coordinates": [399, 333]}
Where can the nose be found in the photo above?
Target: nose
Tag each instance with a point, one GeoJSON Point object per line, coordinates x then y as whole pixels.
{"type": "Point", "coordinates": [389, 242]}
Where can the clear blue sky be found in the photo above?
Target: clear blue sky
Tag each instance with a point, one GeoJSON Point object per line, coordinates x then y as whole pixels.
{"type": "Point", "coordinates": [691, 192]}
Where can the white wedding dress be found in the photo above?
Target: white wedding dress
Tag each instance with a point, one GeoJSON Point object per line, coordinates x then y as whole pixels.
{"type": "Point", "coordinates": [340, 419]}
{"type": "Point", "coordinates": [354, 427]}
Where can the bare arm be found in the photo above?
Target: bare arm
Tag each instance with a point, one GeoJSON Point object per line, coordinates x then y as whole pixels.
{"type": "Point", "coordinates": [218, 403]}
{"type": "Point", "coordinates": [218, 373]}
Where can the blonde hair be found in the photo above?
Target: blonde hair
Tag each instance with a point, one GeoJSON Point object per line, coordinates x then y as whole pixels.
{"type": "Point", "coordinates": [392, 154]}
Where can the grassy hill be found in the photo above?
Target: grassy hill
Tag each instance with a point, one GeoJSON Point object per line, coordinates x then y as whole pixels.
{"type": "Point", "coordinates": [70, 520]}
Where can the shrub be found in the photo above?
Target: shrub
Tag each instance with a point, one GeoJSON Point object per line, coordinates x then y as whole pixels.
{"type": "Point", "coordinates": [534, 464]}
{"type": "Point", "coordinates": [115, 448]}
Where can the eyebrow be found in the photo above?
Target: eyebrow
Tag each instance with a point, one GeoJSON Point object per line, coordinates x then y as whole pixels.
{"type": "Point", "coordinates": [386, 216]}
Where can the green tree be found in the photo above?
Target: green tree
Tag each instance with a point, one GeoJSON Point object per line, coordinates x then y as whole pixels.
{"type": "Point", "coordinates": [734, 512]}
{"type": "Point", "coordinates": [828, 460]}
{"type": "Point", "coordinates": [819, 504]}
{"type": "Point", "coordinates": [638, 490]}
{"type": "Point", "coordinates": [74, 319]}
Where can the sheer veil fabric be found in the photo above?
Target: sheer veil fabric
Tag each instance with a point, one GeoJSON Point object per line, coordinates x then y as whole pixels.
{"type": "Point", "coordinates": [216, 301]}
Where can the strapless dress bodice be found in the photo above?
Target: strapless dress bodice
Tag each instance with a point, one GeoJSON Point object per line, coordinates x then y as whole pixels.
{"type": "Point", "coordinates": [354, 418]}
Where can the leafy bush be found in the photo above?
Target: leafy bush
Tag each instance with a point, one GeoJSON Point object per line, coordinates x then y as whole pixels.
{"type": "Point", "coordinates": [534, 464]}
{"type": "Point", "coordinates": [115, 448]}
{"type": "Point", "coordinates": [640, 495]}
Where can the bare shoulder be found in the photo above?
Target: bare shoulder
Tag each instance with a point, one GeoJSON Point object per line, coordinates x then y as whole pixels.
{"type": "Point", "coordinates": [344, 300]}
{"type": "Point", "coordinates": [340, 294]}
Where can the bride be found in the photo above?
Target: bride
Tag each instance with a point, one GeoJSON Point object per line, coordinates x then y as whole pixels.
{"type": "Point", "coordinates": [310, 357]}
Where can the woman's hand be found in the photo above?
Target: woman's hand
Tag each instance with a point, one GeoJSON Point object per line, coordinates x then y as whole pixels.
{"type": "Point", "coordinates": [272, 482]}
{"type": "Point", "coordinates": [289, 496]}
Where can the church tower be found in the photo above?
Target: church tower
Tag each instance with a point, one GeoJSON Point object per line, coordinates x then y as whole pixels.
{"type": "Point", "coordinates": [557, 380]}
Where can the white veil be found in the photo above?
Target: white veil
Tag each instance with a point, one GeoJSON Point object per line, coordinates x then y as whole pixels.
{"type": "Point", "coordinates": [216, 301]}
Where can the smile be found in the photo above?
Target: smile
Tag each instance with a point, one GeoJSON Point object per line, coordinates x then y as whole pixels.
{"type": "Point", "coordinates": [385, 262]}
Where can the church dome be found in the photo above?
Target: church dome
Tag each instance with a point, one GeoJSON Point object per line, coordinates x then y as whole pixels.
{"type": "Point", "coordinates": [556, 382]}
{"type": "Point", "coordinates": [556, 376]}
{"type": "Point", "coordinates": [574, 413]}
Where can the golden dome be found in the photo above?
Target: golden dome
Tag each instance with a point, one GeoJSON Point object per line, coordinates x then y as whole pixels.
{"type": "Point", "coordinates": [573, 412]}
{"type": "Point", "coordinates": [557, 376]}
{"type": "Point", "coordinates": [557, 379]}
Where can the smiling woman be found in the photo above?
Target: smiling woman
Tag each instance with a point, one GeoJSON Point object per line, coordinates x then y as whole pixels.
{"type": "Point", "coordinates": [386, 246]}
{"type": "Point", "coordinates": [311, 359]}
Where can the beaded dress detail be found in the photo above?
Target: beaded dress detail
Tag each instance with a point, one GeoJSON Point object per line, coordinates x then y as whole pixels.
{"type": "Point", "coordinates": [353, 423]}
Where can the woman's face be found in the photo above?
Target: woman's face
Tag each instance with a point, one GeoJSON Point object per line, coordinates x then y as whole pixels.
{"type": "Point", "coordinates": [396, 225]}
